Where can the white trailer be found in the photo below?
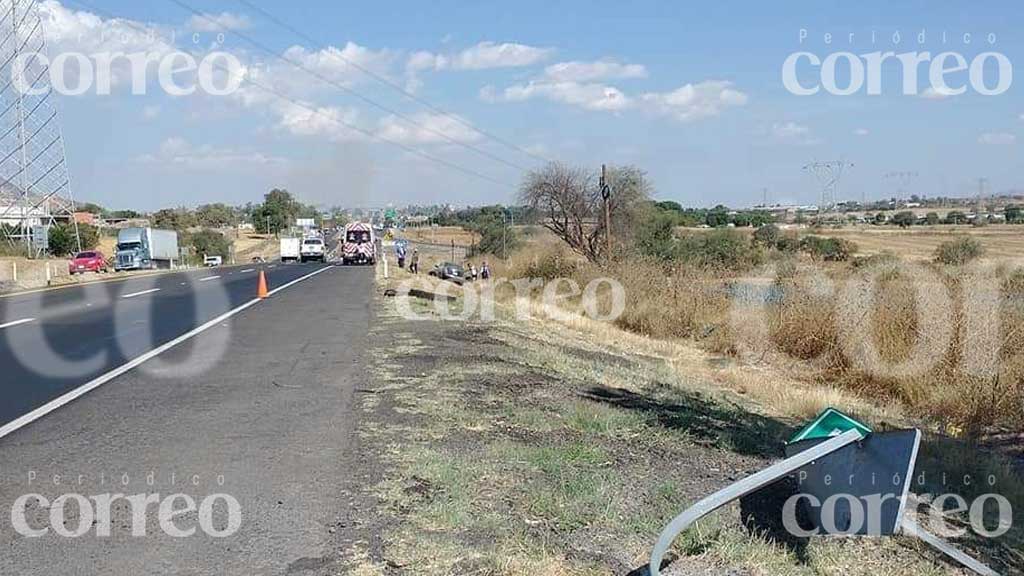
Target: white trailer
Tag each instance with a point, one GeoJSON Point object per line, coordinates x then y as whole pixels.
{"type": "Point", "coordinates": [290, 249]}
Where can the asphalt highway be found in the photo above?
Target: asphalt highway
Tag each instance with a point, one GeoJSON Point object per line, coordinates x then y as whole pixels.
{"type": "Point", "coordinates": [53, 341]}
{"type": "Point", "coordinates": [256, 408]}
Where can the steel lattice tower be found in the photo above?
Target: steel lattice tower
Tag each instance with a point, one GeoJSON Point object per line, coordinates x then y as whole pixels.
{"type": "Point", "coordinates": [35, 185]}
{"type": "Point", "coordinates": [829, 175]}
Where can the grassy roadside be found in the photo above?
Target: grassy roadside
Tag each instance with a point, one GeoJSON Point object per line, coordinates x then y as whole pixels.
{"type": "Point", "coordinates": [526, 448]}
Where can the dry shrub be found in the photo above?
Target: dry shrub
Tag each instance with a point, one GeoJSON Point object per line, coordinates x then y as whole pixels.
{"type": "Point", "coordinates": [670, 303]}
{"type": "Point", "coordinates": [914, 343]}
{"type": "Point", "coordinates": [910, 342]}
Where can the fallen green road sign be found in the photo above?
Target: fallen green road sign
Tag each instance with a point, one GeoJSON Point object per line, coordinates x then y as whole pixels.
{"type": "Point", "coordinates": [830, 423]}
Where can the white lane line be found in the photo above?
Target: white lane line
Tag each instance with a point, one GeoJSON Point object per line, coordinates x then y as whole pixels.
{"type": "Point", "coordinates": [95, 383]}
{"type": "Point", "coordinates": [17, 322]}
{"type": "Point", "coordinates": [272, 266]}
{"type": "Point", "coordinates": [297, 280]}
{"type": "Point", "coordinates": [134, 294]}
{"type": "Point", "coordinates": [208, 278]}
{"type": "Point", "coordinates": [246, 270]}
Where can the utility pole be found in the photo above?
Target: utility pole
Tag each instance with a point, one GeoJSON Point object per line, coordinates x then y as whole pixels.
{"type": "Point", "coordinates": [268, 224]}
{"type": "Point", "coordinates": [606, 194]}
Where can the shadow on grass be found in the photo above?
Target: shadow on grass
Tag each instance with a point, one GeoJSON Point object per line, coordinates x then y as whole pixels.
{"type": "Point", "coordinates": [726, 427]}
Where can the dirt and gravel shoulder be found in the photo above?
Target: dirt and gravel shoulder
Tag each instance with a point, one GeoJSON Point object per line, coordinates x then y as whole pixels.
{"type": "Point", "coordinates": [522, 448]}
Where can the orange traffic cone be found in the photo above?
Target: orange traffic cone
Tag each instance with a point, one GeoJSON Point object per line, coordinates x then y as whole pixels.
{"type": "Point", "coordinates": [261, 290]}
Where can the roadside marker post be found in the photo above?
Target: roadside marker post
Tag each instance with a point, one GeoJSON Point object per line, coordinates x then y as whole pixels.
{"type": "Point", "coordinates": [834, 445]}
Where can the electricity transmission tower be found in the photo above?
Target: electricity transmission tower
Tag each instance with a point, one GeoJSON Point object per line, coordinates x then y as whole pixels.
{"type": "Point", "coordinates": [35, 186]}
{"type": "Point", "coordinates": [829, 175]}
{"type": "Point", "coordinates": [902, 180]}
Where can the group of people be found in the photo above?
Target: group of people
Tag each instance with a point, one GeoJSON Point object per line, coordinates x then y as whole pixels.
{"type": "Point", "coordinates": [414, 262]}
{"type": "Point", "coordinates": [472, 273]}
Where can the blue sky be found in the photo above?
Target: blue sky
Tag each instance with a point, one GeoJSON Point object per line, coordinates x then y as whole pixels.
{"type": "Point", "coordinates": [690, 92]}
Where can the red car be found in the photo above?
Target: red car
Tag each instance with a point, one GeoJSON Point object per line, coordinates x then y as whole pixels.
{"type": "Point", "coordinates": [90, 261]}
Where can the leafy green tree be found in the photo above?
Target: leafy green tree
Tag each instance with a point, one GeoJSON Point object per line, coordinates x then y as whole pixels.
{"type": "Point", "coordinates": [956, 217]}
{"type": "Point", "coordinates": [496, 236]}
{"type": "Point", "coordinates": [932, 218]}
{"type": "Point", "coordinates": [173, 219]}
{"type": "Point", "coordinates": [904, 219]}
{"type": "Point", "coordinates": [828, 248]}
{"type": "Point", "coordinates": [215, 215]}
{"type": "Point", "coordinates": [767, 235]}
{"type": "Point", "coordinates": [717, 217]}
{"type": "Point", "coordinates": [62, 240]}
{"type": "Point", "coordinates": [278, 211]}
{"type": "Point", "coordinates": [91, 208]}
{"type": "Point", "coordinates": [741, 220]}
{"type": "Point", "coordinates": [656, 236]}
{"type": "Point", "coordinates": [211, 243]}
{"type": "Point", "coordinates": [1014, 214]}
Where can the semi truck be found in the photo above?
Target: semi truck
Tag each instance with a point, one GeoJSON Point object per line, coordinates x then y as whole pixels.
{"type": "Point", "coordinates": [290, 249]}
{"type": "Point", "coordinates": [146, 249]}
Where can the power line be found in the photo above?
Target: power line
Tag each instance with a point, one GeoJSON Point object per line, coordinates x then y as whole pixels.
{"type": "Point", "coordinates": [384, 80]}
{"type": "Point", "coordinates": [356, 94]}
{"type": "Point", "coordinates": [318, 112]}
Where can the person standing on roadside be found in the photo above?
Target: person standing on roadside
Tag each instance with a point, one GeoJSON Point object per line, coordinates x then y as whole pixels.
{"type": "Point", "coordinates": [414, 262]}
{"type": "Point", "coordinates": [485, 271]}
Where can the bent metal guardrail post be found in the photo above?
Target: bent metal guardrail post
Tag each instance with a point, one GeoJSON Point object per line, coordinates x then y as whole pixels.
{"type": "Point", "coordinates": [742, 488]}
{"type": "Point", "coordinates": [777, 471]}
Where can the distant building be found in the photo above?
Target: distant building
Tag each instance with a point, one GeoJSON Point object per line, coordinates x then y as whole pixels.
{"type": "Point", "coordinates": [85, 218]}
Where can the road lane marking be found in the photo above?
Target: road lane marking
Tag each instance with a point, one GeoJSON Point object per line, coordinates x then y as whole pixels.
{"type": "Point", "coordinates": [272, 266]}
{"type": "Point", "coordinates": [134, 294]}
{"type": "Point", "coordinates": [246, 270]}
{"type": "Point", "coordinates": [95, 383]}
{"type": "Point", "coordinates": [208, 278]}
{"type": "Point", "coordinates": [17, 322]}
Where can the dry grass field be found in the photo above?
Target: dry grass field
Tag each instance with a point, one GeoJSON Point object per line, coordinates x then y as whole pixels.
{"type": "Point", "coordinates": [441, 235]}
{"type": "Point", "coordinates": [919, 242]}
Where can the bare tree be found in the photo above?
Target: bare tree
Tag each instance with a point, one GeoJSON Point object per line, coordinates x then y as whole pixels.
{"type": "Point", "coordinates": [570, 204]}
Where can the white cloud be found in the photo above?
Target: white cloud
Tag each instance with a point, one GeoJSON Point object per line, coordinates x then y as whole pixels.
{"type": "Point", "coordinates": [483, 56]}
{"type": "Point", "coordinates": [333, 63]}
{"type": "Point", "coordinates": [792, 133]}
{"type": "Point", "coordinates": [428, 131]}
{"type": "Point", "coordinates": [696, 101]}
{"type": "Point", "coordinates": [861, 132]}
{"type": "Point", "coordinates": [930, 93]}
{"type": "Point", "coordinates": [788, 130]}
{"type": "Point", "coordinates": [605, 69]}
{"type": "Point", "coordinates": [87, 33]}
{"type": "Point", "coordinates": [176, 151]}
{"type": "Point", "coordinates": [223, 22]}
{"type": "Point", "coordinates": [325, 121]}
{"type": "Point", "coordinates": [686, 103]}
{"type": "Point", "coordinates": [488, 55]}
{"type": "Point", "coordinates": [586, 96]}
{"type": "Point", "coordinates": [997, 139]}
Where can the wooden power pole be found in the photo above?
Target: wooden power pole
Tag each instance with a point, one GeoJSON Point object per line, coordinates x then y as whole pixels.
{"type": "Point", "coordinates": [606, 194]}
